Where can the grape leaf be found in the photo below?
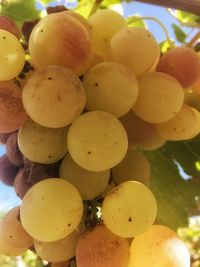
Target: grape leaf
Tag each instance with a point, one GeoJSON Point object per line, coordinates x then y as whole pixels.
{"type": "Point", "coordinates": [20, 10]}
{"type": "Point", "coordinates": [175, 196]}
{"type": "Point", "coordinates": [186, 17]}
{"type": "Point", "coordinates": [179, 33]}
{"type": "Point", "coordinates": [46, 1]}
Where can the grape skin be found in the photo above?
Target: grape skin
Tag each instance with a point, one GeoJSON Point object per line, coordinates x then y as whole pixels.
{"type": "Point", "coordinates": [121, 209]}
{"type": "Point", "coordinates": [159, 246]}
{"type": "Point", "coordinates": [71, 48]}
{"type": "Point", "coordinates": [66, 97]}
{"type": "Point", "coordinates": [9, 25]}
{"type": "Point", "coordinates": [12, 56]}
{"type": "Point", "coordinates": [182, 63]}
{"type": "Point", "coordinates": [51, 210]}
{"type": "Point", "coordinates": [101, 248]}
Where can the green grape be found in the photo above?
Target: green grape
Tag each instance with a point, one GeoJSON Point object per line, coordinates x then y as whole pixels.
{"type": "Point", "coordinates": [60, 39]}
{"type": "Point", "coordinates": [97, 141]}
{"type": "Point", "coordinates": [41, 144]}
{"type": "Point", "coordinates": [53, 97]}
{"type": "Point", "coordinates": [110, 87]}
{"type": "Point", "coordinates": [13, 232]}
{"type": "Point", "coordinates": [6, 249]}
{"type": "Point", "coordinates": [154, 141]}
{"type": "Point", "coordinates": [134, 166]}
{"type": "Point", "coordinates": [12, 113]}
{"type": "Point", "coordinates": [185, 125]}
{"type": "Point", "coordinates": [135, 48]}
{"type": "Point", "coordinates": [89, 184]}
{"type": "Point", "coordinates": [159, 246]}
{"type": "Point", "coordinates": [61, 250]}
{"type": "Point", "coordinates": [160, 97]}
{"type": "Point", "coordinates": [105, 24]}
{"type": "Point", "coordinates": [129, 209]}
{"type": "Point", "coordinates": [101, 248]}
{"type": "Point", "coordinates": [12, 56]}
{"type": "Point", "coordinates": [51, 210]}
{"type": "Point", "coordinates": [137, 129]}
{"type": "Point", "coordinates": [80, 18]}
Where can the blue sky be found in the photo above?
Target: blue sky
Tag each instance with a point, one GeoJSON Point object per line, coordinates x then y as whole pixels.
{"type": "Point", "coordinates": [8, 198]}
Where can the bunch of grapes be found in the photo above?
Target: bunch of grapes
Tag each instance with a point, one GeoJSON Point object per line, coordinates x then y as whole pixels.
{"type": "Point", "coordinates": [75, 118]}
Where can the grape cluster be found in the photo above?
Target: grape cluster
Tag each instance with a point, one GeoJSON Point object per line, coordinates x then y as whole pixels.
{"type": "Point", "coordinates": [75, 125]}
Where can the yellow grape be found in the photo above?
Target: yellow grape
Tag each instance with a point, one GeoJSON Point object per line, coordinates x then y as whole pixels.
{"type": "Point", "coordinates": [110, 87]}
{"type": "Point", "coordinates": [129, 209]}
{"type": "Point", "coordinates": [60, 39]}
{"type": "Point", "coordinates": [53, 97]}
{"type": "Point", "coordinates": [12, 113]}
{"type": "Point", "coordinates": [81, 19]}
{"type": "Point", "coordinates": [160, 97]}
{"type": "Point", "coordinates": [89, 184]}
{"type": "Point", "coordinates": [12, 56]}
{"type": "Point", "coordinates": [105, 24]}
{"type": "Point", "coordinates": [61, 250]}
{"type": "Point", "coordinates": [192, 98]}
{"type": "Point", "coordinates": [185, 125]}
{"type": "Point", "coordinates": [51, 210]}
{"type": "Point", "coordinates": [154, 141]}
{"type": "Point", "coordinates": [101, 248]}
{"type": "Point", "coordinates": [97, 141]}
{"type": "Point", "coordinates": [183, 63]}
{"type": "Point", "coordinates": [137, 129]}
{"type": "Point", "coordinates": [13, 232]}
{"type": "Point", "coordinates": [135, 48]}
{"type": "Point", "coordinates": [159, 246]}
{"type": "Point", "coordinates": [6, 249]}
{"type": "Point", "coordinates": [135, 166]}
{"type": "Point", "coordinates": [41, 144]}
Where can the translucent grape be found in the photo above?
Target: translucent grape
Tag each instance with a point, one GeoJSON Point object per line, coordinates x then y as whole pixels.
{"type": "Point", "coordinates": [160, 97]}
{"type": "Point", "coordinates": [159, 246]}
{"type": "Point", "coordinates": [61, 250]}
{"type": "Point", "coordinates": [7, 171]}
{"type": "Point", "coordinates": [134, 166]}
{"type": "Point", "coordinates": [137, 129]}
{"type": "Point", "coordinates": [41, 144]}
{"type": "Point", "coordinates": [12, 56]}
{"type": "Point", "coordinates": [81, 19]}
{"type": "Point", "coordinates": [89, 184]}
{"type": "Point", "coordinates": [13, 232]}
{"type": "Point", "coordinates": [9, 25]}
{"type": "Point", "coordinates": [101, 248]}
{"type": "Point", "coordinates": [110, 87]}
{"type": "Point", "coordinates": [70, 43]}
{"type": "Point", "coordinates": [192, 98]}
{"type": "Point", "coordinates": [135, 48]}
{"type": "Point", "coordinates": [183, 63]}
{"type": "Point", "coordinates": [185, 125]}
{"type": "Point", "coordinates": [97, 141]}
{"type": "Point", "coordinates": [8, 250]}
{"type": "Point", "coordinates": [105, 24]}
{"type": "Point", "coordinates": [129, 209]}
{"type": "Point", "coordinates": [12, 113]}
{"type": "Point", "coordinates": [65, 92]}
{"type": "Point", "coordinates": [51, 210]}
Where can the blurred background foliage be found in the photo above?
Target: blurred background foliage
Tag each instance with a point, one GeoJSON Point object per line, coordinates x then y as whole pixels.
{"type": "Point", "coordinates": [175, 177]}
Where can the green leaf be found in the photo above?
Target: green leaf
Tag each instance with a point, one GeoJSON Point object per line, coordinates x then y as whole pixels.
{"type": "Point", "coordinates": [136, 21]}
{"type": "Point", "coordinates": [20, 10]}
{"type": "Point", "coordinates": [175, 196]}
{"type": "Point", "coordinates": [84, 7]}
{"type": "Point", "coordinates": [187, 17]}
{"type": "Point", "coordinates": [179, 33]}
{"type": "Point", "coordinates": [46, 1]}
{"type": "Point", "coordinates": [164, 47]}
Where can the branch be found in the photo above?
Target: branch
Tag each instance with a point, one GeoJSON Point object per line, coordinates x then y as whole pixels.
{"type": "Point", "coordinates": [191, 6]}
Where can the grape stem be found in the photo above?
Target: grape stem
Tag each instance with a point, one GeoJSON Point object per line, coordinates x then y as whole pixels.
{"type": "Point", "coordinates": [134, 19]}
{"type": "Point", "coordinates": [95, 7]}
{"type": "Point", "coordinates": [194, 39]}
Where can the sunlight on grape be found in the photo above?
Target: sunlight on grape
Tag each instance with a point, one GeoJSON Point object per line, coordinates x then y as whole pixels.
{"type": "Point", "coordinates": [118, 8]}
